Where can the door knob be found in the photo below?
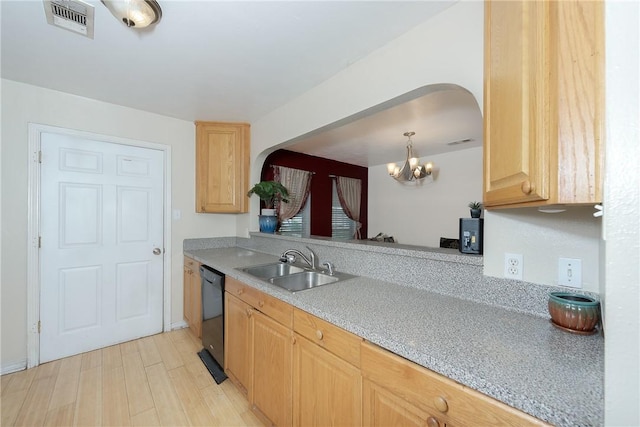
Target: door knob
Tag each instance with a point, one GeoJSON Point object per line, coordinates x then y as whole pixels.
{"type": "Point", "coordinates": [157, 251]}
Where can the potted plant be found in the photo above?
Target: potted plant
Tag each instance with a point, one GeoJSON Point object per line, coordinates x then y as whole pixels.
{"type": "Point", "coordinates": [475, 209]}
{"type": "Point", "coordinates": [269, 192]}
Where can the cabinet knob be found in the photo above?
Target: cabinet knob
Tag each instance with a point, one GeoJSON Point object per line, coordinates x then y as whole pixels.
{"type": "Point", "coordinates": [319, 334]}
{"type": "Point", "coordinates": [293, 340]}
{"type": "Point", "coordinates": [240, 291]}
{"type": "Point", "coordinates": [441, 404]}
{"type": "Point", "coordinates": [261, 303]}
{"type": "Point", "coordinates": [249, 312]}
{"type": "Point", "coordinates": [527, 187]}
{"type": "Point", "coordinates": [433, 422]}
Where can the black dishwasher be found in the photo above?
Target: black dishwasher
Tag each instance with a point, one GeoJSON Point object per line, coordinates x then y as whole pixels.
{"type": "Point", "coordinates": [213, 317]}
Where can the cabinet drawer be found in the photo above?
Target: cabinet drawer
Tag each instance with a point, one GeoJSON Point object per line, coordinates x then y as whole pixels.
{"type": "Point", "coordinates": [436, 394]}
{"type": "Point", "coordinates": [278, 310]}
{"type": "Point", "coordinates": [338, 341]}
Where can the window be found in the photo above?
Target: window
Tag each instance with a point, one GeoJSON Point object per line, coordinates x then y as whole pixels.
{"type": "Point", "coordinates": [342, 227]}
{"type": "Point", "coordinates": [300, 224]}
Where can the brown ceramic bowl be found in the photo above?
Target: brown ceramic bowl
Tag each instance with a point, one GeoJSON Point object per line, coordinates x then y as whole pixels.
{"type": "Point", "coordinates": [574, 312]}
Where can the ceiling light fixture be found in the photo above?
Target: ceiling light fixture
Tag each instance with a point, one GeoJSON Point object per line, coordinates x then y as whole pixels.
{"type": "Point", "coordinates": [135, 13]}
{"type": "Point", "coordinates": [411, 170]}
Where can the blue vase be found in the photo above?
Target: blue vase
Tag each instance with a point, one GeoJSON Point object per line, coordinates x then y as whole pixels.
{"type": "Point", "coordinates": [268, 223]}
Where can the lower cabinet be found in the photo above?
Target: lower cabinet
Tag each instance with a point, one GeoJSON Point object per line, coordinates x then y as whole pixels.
{"type": "Point", "coordinates": [427, 397]}
{"type": "Point", "coordinates": [258, 350]}
{"type": "Point", "coordinates": [326, 389]}
{"type": "Point", "coordinates": [383, 408]}
{"type": "Point", "coordinates": [237, 341]}
{"type": "Point", "coordinates": [299, 370]}
{"type": "Point", "coordinates": [272, 356]}
{"type": "Point", "coordinates": [327, 385]}
{"type": "Point", "coordinates": [192, 296]}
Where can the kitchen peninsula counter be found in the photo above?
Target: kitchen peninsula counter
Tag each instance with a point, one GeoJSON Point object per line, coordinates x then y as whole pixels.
{"type": "Point", "coordinates": [517, 358]}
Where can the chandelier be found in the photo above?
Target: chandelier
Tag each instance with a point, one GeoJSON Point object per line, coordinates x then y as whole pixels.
{"type": "Point", "coordinates": [411, 170]}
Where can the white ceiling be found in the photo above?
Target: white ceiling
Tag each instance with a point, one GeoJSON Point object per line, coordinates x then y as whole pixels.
{"type": "Point", "coordinates": [209, 60]}
{"type": "Point", "coordinates": [438, 114]}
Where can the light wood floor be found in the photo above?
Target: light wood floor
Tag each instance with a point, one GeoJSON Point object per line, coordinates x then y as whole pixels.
{"type": "Point", "coordinates": [153, 381]}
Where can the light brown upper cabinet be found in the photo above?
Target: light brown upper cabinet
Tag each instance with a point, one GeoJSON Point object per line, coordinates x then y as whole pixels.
{"type": "Point", "coordinates": [222, 167]}
{"type": "Point", "coordinates": [543, 102]}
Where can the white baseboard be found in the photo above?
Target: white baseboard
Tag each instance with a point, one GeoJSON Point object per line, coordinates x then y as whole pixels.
{"type": "Point", "coordinates": [179, 325]}
{"type": "Point", "coordinates": [13, 367]}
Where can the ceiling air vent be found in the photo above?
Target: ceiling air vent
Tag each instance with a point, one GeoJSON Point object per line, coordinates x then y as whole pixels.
{"type": "Point", "coordinates": [72, 15]}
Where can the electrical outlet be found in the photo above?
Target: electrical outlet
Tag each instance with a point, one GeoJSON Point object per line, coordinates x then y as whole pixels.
{"type": "Point", "coordinates": [570, 272]}
{"type": "Point", "coordinates": [513, 266]}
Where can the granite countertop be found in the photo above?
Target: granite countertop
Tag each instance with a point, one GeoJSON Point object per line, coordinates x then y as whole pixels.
{"type": "Point", "coordinates": [519, 359]}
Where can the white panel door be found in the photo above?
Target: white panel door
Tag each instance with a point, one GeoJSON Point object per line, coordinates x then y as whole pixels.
{"type": "Point", "coordinates": [101, 216]}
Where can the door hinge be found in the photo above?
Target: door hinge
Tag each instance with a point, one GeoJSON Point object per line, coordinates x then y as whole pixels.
{"type": "Point", "coordinates": [39, 242]}
{"type": "Point", "coordinates": [40, 156]}
{"type": "Point", "coordinates": [39, 325]}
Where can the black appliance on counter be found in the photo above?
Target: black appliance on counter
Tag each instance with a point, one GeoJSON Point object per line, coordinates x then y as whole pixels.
{"type": "Point", "coordinates": [213, 322]}
{"type": "Point", "coordinates": [471, 235]}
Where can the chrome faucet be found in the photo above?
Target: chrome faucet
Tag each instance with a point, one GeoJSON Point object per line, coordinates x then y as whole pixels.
{"type": "Point", "coordinates": [289, 256]}
{"type": "Point", "coordinates": [329, 266]}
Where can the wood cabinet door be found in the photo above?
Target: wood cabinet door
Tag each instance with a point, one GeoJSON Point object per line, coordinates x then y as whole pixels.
{"type": "Point", "coordinates": [222, 167]}
{"type": "Point", "coordinates": [237, 345]}
{"type": "Point", "coordinates": [517, 157]}
{"type": "Point", "coordinates": [186, 294]}
{"type": "Point", "coordinates": [270, 393]}
{"type": "Point", "coordinates": [327, 391]}
{"type": "Point", "coordinates": [196, 303]}
{"type": "Point", "coordinates": [382, 408]}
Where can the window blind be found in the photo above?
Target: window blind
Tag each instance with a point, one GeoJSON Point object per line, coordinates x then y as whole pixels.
{"type": "Point", "coordinates": [300, 224]}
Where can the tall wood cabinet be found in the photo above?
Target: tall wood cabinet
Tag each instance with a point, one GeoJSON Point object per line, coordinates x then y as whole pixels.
{"type": "Point", "coordinates": [192, 296]}
{"type": "Point", "coordinates": [222, 167]}
{"type": "Point", "coordinates": [543, 102]}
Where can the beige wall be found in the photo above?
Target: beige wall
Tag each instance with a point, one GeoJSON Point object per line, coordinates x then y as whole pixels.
{"type": "Point", "coordinates": [542, 239]}
{"type": "Point", "coordinates": [621, 290]}
{"type": "Point", "coordinates": [446, 49]}
{"type": "Point", "coordinates": [421, 214]}
{"type": "Point", "coordinates": [22, 104]}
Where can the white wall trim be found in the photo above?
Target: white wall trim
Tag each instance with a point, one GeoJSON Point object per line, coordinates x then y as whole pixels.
{"type": "Point", "coordinates": [179, 325]}
{"type": "Point", "coordinates": [9, 368]}
{"type": "Point", "coordinates": [33, 228]}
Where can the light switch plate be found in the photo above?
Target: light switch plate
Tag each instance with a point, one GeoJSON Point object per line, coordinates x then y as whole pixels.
{"type": "Point", "coordinates": [570, 272]}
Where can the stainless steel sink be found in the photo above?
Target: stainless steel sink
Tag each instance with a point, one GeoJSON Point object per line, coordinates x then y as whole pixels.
{"type": "Point", "coordinates": [293, 278]}
{"type": "Point", "coordinates": [301, 281]}
{"type": "Point", "coordinates": [267, 271]}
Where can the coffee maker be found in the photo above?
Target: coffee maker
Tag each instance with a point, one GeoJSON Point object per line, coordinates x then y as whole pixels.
{"type": "Point", "coordinates": [471, 235]}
